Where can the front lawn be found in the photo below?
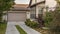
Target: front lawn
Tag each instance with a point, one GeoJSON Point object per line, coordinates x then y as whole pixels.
{"type": "Point", "coordinates": [3, 28]}
{"type": "Point", "coordinates": [20, 30]}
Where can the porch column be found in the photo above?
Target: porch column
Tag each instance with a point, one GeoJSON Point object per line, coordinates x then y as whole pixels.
{"type": "Point", "coordinates": [28, 15]}
{"type": "Point", "coordinates": [37, 12]}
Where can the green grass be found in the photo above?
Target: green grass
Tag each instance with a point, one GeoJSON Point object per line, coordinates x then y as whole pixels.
{"type": "Point", "coordinates": [3, 28]}
{"type": "Point", "coordinates": [20, 30]}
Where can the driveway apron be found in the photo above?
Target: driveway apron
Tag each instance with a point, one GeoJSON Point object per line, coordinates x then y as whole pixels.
{"type": "Point", "coordinates": [11, 29]}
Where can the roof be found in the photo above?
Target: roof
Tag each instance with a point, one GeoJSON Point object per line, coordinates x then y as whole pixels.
{"type": "Point", "coordinates": [35, 4]}
{"type": "Point", "coordinates": [30, 3]}
{"type": "Point", "coordinates": [20, 9]}
{"type": "Point", "coordinates": [21, 5]}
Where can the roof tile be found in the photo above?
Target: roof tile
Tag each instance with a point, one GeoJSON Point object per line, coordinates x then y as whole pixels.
{"type": "Point", "coordinates": [21, 5]}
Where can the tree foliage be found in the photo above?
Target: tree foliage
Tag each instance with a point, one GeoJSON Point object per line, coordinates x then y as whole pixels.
{"type": "Point", "coordinates": [56, 19]}
{"type": "Point", "coordinates": [55, 24]}
{"type": "Point", "coordinates": [4, 6]}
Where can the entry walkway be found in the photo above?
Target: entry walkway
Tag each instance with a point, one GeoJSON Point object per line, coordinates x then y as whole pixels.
{"type": "Point", "coordinates": [27, 29]}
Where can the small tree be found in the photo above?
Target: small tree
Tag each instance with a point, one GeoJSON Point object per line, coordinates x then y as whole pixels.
{"type": "Point", "coordinates": [55, 24]}
{"type": "Point", "coordinates": [4, 6]}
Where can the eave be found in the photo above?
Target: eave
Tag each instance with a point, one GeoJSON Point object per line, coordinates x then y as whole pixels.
{"type": "Point", "coordinates": [36, 4]}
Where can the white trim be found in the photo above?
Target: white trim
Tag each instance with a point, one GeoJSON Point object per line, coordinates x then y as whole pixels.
{"type": "Point", "coordinates": [36, 11]}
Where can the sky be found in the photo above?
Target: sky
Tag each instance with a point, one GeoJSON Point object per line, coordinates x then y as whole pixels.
{"type": "Point", "coordinates": [22, 1]}
{"type": "Point", "coordinates": [49, 3]}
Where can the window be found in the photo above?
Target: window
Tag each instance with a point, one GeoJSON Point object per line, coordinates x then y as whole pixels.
{"type": "Point", "coordinates": [33, 16]}
{"type": "Point", "coordinates": [40, 12]}
{"type": "Point", "coordinates": [33, 13]}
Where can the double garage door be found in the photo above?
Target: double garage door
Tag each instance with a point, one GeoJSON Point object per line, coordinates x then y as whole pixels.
{"type": "Point", "coordinates": [20, 16]}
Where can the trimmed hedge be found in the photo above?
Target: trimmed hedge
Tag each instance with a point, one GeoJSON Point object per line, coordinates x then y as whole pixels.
{"type": "Point", "coordinates": [30, 23]}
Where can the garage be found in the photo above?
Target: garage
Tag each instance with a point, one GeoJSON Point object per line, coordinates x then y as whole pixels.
{"type": "Point", "coordinates": [17, 16]}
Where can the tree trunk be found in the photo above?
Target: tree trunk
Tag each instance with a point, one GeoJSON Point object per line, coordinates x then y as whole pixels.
{"type": "Point", "coordinates": [1, 16]}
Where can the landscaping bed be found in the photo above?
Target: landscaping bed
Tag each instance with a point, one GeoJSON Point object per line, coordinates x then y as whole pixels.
{"type": "Point", "coordinates": [43, 30]}
{"type": "Point", "coordinates": [3, 28]}
{"type": "Point", "coordinates": [20, 30]}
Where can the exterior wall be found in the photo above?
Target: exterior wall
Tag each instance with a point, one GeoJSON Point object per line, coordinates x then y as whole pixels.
{"type": "Point", "coordinates": [40, 9]}
{"type": "Point", "coordinates": [41, 5]}
{"type": "Point", "coordinates": [33, 2]}
{"type": "Point", "coordinates": [36, 1]}
{"type": "Point", "coordinates": [39, 1]}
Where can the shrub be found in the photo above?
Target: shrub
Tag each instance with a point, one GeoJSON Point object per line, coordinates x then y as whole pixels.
{"type": "Point", "coordinates": [48, 18]}
{"type": "Point", "coordinates": [55, 24]}
{"type": "Point", "coordinates": [34, 24]}
{"type": "Point", "coordinates": [27, 22]}
{"type": "Point", "coordinates": [55, 29]}
{"type": "Point", "coordinates": [30, 23]}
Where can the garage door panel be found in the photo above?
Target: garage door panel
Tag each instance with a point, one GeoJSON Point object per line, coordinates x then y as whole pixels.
{"type": "Point", "coordinates": [17, 16]}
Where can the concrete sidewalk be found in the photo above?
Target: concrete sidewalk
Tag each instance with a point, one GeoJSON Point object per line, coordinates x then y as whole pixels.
{"type": "Point", "coordinates": [11, 29]}
{"type": "Point", "coordinates": [27, 29]}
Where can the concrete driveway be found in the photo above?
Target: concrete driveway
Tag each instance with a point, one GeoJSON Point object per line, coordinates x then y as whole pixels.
{"type": "Point", "coordinates": [11, 29]}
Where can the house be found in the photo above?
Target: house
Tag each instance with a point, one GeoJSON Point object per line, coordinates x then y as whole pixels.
{"type": "Point", "coordinates": [21, 12]}
{"type": "Point", "coordinates": [37, 8]}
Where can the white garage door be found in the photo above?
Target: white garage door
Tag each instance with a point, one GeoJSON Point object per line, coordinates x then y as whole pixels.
{"type": "Point", "coordinates": [17, 16]}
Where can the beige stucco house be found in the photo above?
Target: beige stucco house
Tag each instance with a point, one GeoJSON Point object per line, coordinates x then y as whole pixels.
{"type": "Point", "coordinates": [37, 8]}
{"type": "Point", "coordinates": [21, 12]}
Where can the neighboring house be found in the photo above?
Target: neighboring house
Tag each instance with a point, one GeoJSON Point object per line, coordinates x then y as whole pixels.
{"type": "Point", "coordinates": [21, 12]}
{"type": "Point", "coordinates": [37, 8]}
